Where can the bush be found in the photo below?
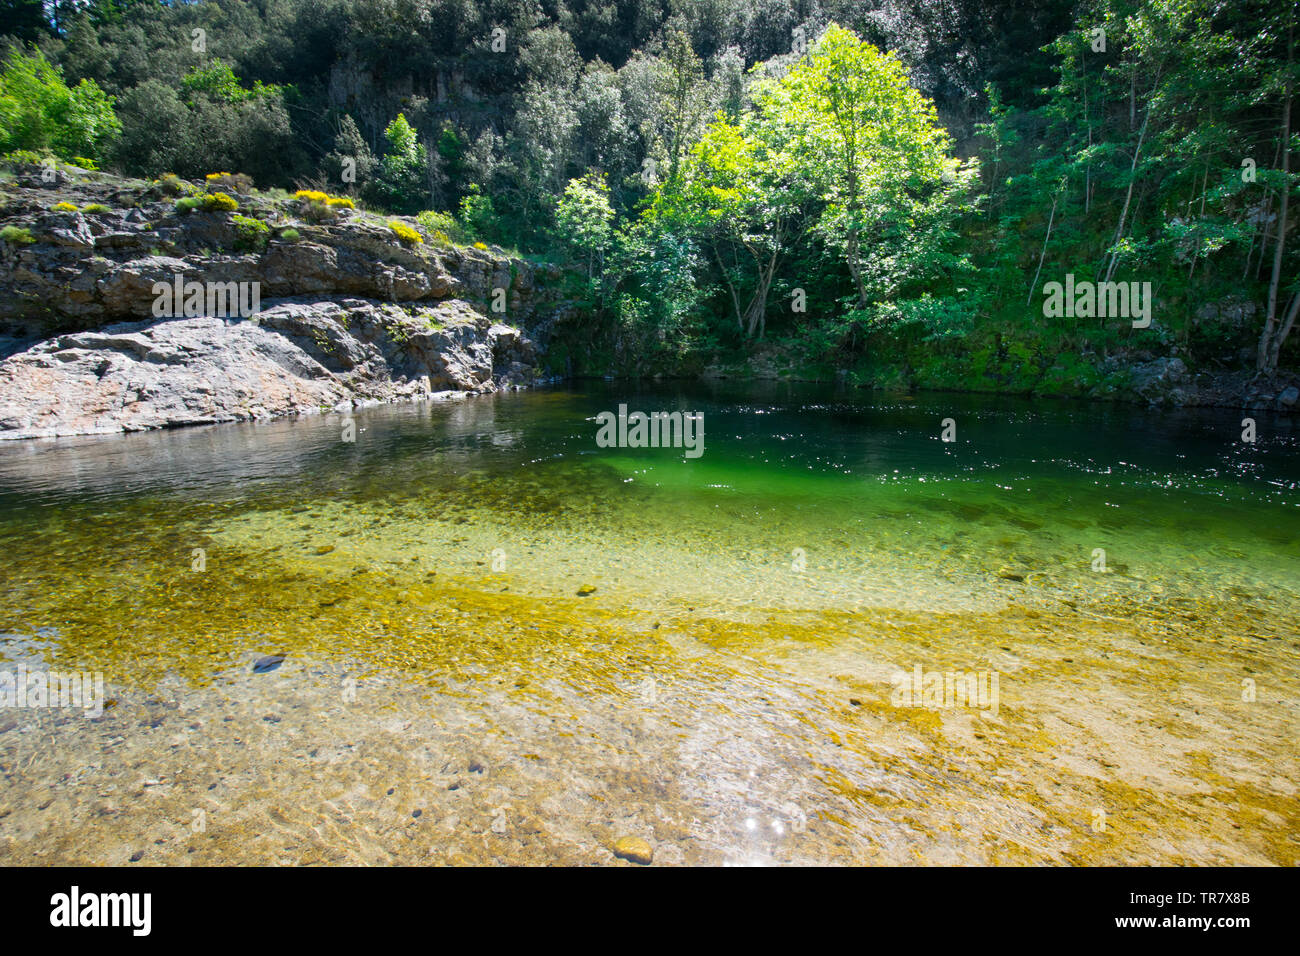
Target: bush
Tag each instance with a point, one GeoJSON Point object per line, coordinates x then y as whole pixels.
{"type": "Point", "coordinates": [401, 183]}
{"type": "Point", "coordinates": [188, 204]}
{"type": "Point", "coordinates": [478, 215]}
{"type": "Point", "coordinates": [219, 202]}
{"type": "Point", "coordinates": [84, 163]}
{"type": "Point", "coordinates": [405, 234]}
{"type": "Point", "coordinates": [63, 207]}
{"type": "Point", "coordinates": [24, 157]}
{"type": "Point", "coordinates": [235, 182]}
{"type": "Point", "coordinates": [290, 235]}
{"type": "Point", "coordinates": [16, 235]}
{"type": "Point", "coordinates": [251, 233]}
{"type": "Point", "coordinates": [321, 207]}
{"type": "Point", "coordinates": [38, 111]}
{"type": "Point", "coordinates": [173, 185]}
{"type": "Point", "coordinates": [96, 208]}
{"type": "Point", "coordinates": [440, 226]}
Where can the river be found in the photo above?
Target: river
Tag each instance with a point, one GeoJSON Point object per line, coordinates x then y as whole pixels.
{"type": "Point", "coordinates": [1118, 589]}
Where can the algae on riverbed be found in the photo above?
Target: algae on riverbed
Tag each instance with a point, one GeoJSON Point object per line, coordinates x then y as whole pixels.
{"type": "Point", "coordinates": [714, 695]}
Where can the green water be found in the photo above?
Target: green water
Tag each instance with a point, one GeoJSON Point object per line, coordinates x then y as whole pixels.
{"type": "Point", "coordinates": [824, 540]}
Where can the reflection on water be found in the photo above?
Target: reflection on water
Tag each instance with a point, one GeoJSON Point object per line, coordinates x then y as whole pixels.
{"type": "Point", "coordinates": [725, 691]}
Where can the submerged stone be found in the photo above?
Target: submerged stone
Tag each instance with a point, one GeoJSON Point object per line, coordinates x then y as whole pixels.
{"type": "Point", "coordinates": [634, 849]}
{"type": "Point", "coordinates": [265, 664]}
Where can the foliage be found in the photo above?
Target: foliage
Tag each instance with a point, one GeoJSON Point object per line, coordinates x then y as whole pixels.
{"type": "Point", "coordinates": [719, 187]}
{"type": "Point", "coordinates": [583, 219]}
{"type": "Point", "coordinates": [219, 202]}
{"type": "Point", "coordinates": [440, 226]}
{"type": "Point", "coordinates": [401, 183]}
{"type": "Point", "coordinates": [16, 235]}
{"type": "Point", "coordinates": [38, 111]}
{"type": "Point", "coordinates": [235, 182]}
{"type": "Point", "coordinates": [405, 234]}
{"type": "Point", "coordinates": [252, 234]}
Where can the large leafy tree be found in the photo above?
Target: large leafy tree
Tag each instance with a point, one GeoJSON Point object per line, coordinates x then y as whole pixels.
{"type": "Point", "coordinates": [869, 140]}
{"type": "Point", "coordinates": [39, 111]}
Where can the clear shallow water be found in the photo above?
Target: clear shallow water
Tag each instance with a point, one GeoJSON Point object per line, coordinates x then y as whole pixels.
{"type": "Point", "coordinates": [726, 690]}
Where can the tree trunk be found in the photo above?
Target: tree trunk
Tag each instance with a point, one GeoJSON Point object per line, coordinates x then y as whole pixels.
{"type": "Point", "coordinates": [1128, 198]}
{"type": "Point", "coordinates": [1275, 348]}
{"type": "Point", "coordinates": [1267, 348]}
{"type": "Point", "coordinates": [731, 287]}
{"type": "Point", "coordinates": [1043, 255]}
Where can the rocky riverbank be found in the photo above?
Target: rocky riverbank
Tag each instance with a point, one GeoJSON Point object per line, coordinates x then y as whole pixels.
{"type": "Point", "coordinates": [349, 308]}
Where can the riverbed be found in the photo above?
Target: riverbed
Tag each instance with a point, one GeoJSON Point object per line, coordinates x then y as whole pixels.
{"type": "Point", "coordinates": [506, 644]}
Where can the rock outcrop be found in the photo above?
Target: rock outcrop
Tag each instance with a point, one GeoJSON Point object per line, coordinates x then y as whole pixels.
{"type": "Point", "coordinates": [296, 356]}
{"type": "Point", "coordinates": [347, 313]}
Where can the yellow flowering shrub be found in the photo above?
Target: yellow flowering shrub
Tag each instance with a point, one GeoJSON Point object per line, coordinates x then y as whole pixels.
{"type": "Point", "coordinates": [405, 234]}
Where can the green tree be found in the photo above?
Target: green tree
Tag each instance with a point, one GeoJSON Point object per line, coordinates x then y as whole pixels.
{"type": "Point", "coordinates": [869, 139]}
{"type": "Point", "coordinates": [38, 111]}
{"type": "Point", "coordinates": [583, 219]}
{"type": "Point", "coordinates": [402, 182]}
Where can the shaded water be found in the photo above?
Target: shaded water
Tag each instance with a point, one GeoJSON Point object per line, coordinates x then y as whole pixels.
{"type": "Point", "coordinates": [726, 691]}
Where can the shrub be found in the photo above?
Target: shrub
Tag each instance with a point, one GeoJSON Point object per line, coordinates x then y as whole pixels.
{"type": "Point", "coordinates": [39, 111]}
{"type": "Point", "coordinates": [187, 204]}
{"type": "Point", "coordinates": [251, 233]}
{"type": "Point", "coordinates": [63, 207]}
{"type": "Point", "coordinates": [319, 212]}
{"type": "Point", "coordinates": [173, 185]}
{"type": "Point", "coordinates": [321, 207]}
{"type": "Point", "coordinates": [235, 182]}
{"type": "Point", "coordinates": [219, 202]}
{"type": "Point", "coordinates": [16, 235]}
{"type": "Point", "coordinates": [96, 208]}
{"type": "Point", "coordinates": [440, 226]}
{"type": "Point", "coordinates": [84, 163]}
{"type": "Point", "coordinates": [481, 246]}
{"type": "Point", "coordinates": [24, 157]}
{"type": "Point", "coordinates": [290, 235]}
{"type": "Point", "coordinates": [405, 234]}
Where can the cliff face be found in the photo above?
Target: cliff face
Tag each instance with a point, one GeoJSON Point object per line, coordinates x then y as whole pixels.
{"type": "Point", "coordinates": [346, 313]}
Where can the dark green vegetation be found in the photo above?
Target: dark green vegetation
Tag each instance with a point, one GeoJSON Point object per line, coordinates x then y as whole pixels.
{"type": "Point", "coordinates": [748, 183]}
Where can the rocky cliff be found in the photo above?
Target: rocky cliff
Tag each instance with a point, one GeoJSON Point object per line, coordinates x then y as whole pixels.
{"type": "Point", "coordinates": [349, 309]}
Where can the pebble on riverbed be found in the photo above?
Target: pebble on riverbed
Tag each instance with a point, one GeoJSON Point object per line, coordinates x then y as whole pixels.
{"type": "Point", "coordinates": [634, 849]}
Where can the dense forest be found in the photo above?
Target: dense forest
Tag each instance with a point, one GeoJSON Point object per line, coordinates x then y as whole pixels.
{"type": "Point", "coordinates": [884, 189]}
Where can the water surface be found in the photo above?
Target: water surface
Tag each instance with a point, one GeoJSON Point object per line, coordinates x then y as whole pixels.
{"type": "Point", "coordinates": [725, 692]}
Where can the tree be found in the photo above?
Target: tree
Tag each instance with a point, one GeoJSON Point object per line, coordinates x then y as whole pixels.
{"type": "Point", "coordinates": [742, 195]}
{"type": "Point", "coordinates": [583, 218]}
{"type": "Point", "coordinates": [350, 163]}
{"type": "Point", "coordinates": [38, 111]}
{"type": "Point", "coordinates": [402, 181]}
{"type": "Point", "coordinates": [861, 131]}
